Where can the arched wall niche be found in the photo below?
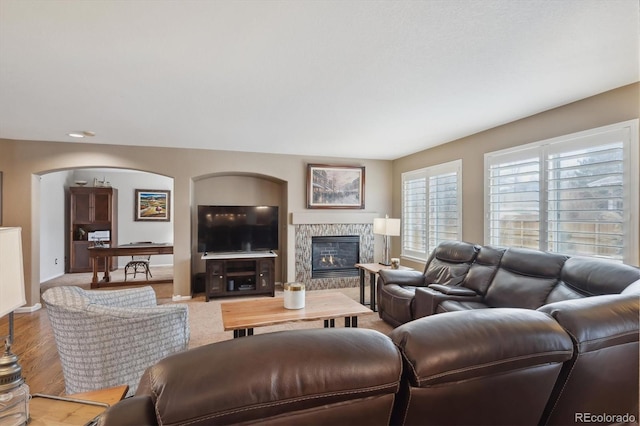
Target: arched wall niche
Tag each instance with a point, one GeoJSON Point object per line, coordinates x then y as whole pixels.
{"type": "Point", "coordinates": [243, 189]}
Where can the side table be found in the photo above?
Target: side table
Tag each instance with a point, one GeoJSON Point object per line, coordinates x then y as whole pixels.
{"type": "Point", "coordinates": [373, 269]}
{"type": "Point", "coordinates": [77, 409]}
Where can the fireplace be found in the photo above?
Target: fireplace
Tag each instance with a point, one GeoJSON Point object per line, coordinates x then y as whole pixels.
{"type": "Point", "coordinates": [305, 232]}
{"type": "Point", "coordinates": [335, 256]}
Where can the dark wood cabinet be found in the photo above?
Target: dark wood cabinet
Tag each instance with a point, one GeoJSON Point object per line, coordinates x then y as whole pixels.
{"type": "Point", "coordinates": [265, 280]}
{"type": "Point", "coordinates": [215, 279]}
{"type": "Point", "coordinates": [91, 210]}
{"type": "Point", "coordinates": [248, 274]}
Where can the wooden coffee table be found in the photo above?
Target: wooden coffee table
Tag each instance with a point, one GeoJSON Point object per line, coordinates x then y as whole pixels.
{"type": "Point", "coordinates": [243, 316]}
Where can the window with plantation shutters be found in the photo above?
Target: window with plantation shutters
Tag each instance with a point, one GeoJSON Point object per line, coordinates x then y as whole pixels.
{"type": "Point", "coordinates": [431, 205]}
{"type": "Point", "coordinates": [514, 200]}
{"type": "Point", "coordinates": [414, 215]}
{"type": "Point", "coordinates": [575, 195]}
{"type": "Point", "coordinates": [443, 219]}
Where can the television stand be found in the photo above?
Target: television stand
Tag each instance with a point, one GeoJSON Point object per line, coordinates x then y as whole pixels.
{"type": "Point", "coordinates": [239, 274]}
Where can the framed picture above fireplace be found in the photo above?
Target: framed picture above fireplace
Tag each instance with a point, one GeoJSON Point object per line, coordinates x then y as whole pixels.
{"type": "Point", "coordinates": [335, 187]}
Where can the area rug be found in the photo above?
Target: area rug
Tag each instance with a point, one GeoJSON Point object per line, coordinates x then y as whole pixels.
{"type": "Point", "coordinates": [205, 319]}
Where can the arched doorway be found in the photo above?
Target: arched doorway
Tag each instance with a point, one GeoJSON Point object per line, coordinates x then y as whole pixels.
{"type": "Point", "coordinates": [54, 213]}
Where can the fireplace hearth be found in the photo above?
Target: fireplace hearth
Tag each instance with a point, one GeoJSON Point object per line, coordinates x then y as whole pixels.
{"type": "Point", "coordinates": [334, 256]}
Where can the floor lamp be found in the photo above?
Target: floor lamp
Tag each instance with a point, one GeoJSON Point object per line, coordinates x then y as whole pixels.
{"type": "Point", "coordinates": [387, 228]}
{"type": "Point", "coordinates": [14, 392]}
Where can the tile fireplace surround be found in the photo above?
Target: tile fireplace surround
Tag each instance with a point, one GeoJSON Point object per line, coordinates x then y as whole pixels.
{"type": "Point", "coordinates": [304, 233]}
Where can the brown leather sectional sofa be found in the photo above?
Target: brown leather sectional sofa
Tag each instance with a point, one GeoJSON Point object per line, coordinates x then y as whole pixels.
{"type": "Point", "coordinates": [361, 377]}
{"type": "Point", "coordinates": [462, 276]}
{"type": "Point", "coordinates": [483, 366]}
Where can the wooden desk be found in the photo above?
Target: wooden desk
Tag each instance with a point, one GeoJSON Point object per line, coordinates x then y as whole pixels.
{"type": "Point", "coordinates": [373, 269]}
{"type": "Point", "coordinates": [76, 409]}
{"type": "Point", "coordinates": [123, 250]}
{"type": "Point", "coordinates": [242, 316]}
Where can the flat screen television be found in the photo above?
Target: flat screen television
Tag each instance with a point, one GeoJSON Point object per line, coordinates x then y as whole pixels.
{"type": "Point", "coordinates": [237, 228]}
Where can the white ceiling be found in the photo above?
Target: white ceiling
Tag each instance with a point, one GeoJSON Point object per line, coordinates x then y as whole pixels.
{"type": "Point", "coordinates": [345, 78]}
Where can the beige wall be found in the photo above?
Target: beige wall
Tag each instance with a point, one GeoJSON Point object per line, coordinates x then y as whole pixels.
{"type": "Point", "coordinates": [23, 161]}
{"type": "Point", "coordinates": [611, 107]}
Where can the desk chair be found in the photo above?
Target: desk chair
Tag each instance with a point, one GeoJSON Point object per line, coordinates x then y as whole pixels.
{"type": "Point", "coordinates": [138, 264]}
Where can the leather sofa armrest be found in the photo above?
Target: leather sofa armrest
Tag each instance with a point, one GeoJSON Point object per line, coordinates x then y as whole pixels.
{"type": "Point", "coordinates": [401, 277]}
{"type": "Point", "coordinates": [134, 411]}
{"type": "Point", "coordinates": [427, 299]}
{"type": "Point", "coordinates": [453, 290]}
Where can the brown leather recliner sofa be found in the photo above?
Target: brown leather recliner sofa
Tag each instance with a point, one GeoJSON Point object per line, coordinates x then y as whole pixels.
{"type": "Point", "coordinates": [464, 276]}
{"type": "Point", "coordinates": [484, 366]}
{"type": "Point", "coordinates": [602, 376]}
{"type": "Point", "coordinates": [464, 381]}
{"type": "Point", "coordinates": [347, 376]}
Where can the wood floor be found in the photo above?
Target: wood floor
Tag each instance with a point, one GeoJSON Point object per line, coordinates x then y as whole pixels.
{"type": "Point", "coordinates": [36, 350]}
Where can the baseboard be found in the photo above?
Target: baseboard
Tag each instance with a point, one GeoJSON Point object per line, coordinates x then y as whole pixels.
{"type": "Point", "coordinates": [28, 309]}
{"type": "Point", "coordinates": [178, 298]}
{"type": "Point", "coordinates": [51, 278]}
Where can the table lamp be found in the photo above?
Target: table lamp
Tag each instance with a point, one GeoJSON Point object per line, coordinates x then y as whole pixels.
{"type": "Point", "coordinates": [14, 392]}
{"type": "Point", "coordinates": [387, 228]}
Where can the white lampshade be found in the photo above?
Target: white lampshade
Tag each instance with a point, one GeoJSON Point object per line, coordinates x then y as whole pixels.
{"type": "Point", "coordinates": [11, 271]}
{"type": "Point", "coordinates": [386, 226]}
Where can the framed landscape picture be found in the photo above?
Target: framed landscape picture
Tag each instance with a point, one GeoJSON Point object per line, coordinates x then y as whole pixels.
{"type": "Point", "coordinates": [335, 187]}
{"type": "Point", "coordinates": [152, 205]}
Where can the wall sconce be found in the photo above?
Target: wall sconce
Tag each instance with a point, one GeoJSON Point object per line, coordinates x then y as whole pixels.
{"type": "Point", "coordinates": [387, 228]}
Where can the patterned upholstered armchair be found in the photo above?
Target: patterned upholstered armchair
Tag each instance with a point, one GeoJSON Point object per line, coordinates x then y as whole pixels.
{"type": "Point", "coordinates": [108, 338]}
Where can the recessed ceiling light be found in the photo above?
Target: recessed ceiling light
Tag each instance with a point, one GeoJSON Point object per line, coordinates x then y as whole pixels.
{"type": "Point", "coordinates": [82, 134]}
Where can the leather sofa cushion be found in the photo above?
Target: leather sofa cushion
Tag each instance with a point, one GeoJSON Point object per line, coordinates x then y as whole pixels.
{"type": "Point", "coordinates": [483, 269]}
{"type": "Point", "coordinates": [587, 276]}
{"type": "Point", "coordinates": [276, 374]}
{"type": "Point", "coordinates": [453, 290]}
{"type": "Point", "coordinates": [449, 262]}
{"type": "Point", "coordinates": [459, 305]}
{"type": "Point", "coordinates": [495, 341]}
{"type": "Point", "coordinates": [445, 273]}
{"type": "Point", "coordinates": [525, 278]}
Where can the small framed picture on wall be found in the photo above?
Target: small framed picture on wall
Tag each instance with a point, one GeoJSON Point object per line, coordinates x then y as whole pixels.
{"type": "Point", "coordinates": [152, 205]}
